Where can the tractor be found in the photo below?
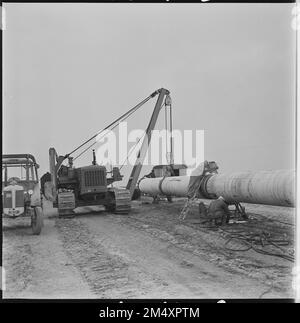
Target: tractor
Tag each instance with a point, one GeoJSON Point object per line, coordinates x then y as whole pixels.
{"type": "Point", "coordinates": [21, 196]}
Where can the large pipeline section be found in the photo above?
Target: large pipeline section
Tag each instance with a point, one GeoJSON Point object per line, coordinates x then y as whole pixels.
{"type": "Point", "coordinates": [263, 187]}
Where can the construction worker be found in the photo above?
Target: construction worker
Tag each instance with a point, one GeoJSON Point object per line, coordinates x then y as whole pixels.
{"type": "Point", "coordinates": [218, 211]}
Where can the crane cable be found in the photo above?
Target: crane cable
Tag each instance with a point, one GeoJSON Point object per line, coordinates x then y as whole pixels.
{"type": "Point", "coordinates": [169, 130]}
{"type": "Point", "coordinates": [113, 124]}
{"type": "Point", "coordinates": [132, 148]}
{"type": "Point", "coordinates": [166, 127]}
{"type": "Point", "coordinates": [86, 149]}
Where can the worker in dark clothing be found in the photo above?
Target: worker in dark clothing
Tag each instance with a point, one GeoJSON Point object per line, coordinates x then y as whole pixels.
{"type": "Point", "coordinates": [218, 211]}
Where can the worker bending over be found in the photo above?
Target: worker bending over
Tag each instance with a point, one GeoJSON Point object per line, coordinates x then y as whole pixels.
{"type": "Point", "coordinates": [218, 211]}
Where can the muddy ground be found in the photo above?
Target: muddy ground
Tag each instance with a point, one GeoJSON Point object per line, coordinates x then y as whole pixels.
{"type": "Point", "coordinates": [147, 254]}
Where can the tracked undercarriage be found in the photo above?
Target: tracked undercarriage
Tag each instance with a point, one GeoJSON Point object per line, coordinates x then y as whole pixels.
{"type": "Point", "coordinates": [116, 200]}
{"type": "Point", "coordinates": [122, 201]}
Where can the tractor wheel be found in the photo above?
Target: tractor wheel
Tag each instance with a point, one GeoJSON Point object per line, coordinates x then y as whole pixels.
{"type": "Point", "coordinates": [37, 220]}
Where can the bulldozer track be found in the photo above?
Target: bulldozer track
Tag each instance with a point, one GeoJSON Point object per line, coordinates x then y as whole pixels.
{"type": "Point", "coordinates": [107, 275]}
{"type": "Point", "coordinates": [122, 201]}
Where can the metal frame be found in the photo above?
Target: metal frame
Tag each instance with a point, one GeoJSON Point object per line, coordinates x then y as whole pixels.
{"type": "Point", "coordinates": [135, 173]}
{"type": "Point", "coordinates": [20, 160]}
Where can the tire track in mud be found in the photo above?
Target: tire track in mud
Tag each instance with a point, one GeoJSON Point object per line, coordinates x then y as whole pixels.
{"type": "Point", "coordinates": [111, 274]}
{"type": "Point", "coordinates": [37, 266]}
{"type": "Point", "coordinates": [107, 275]}
{"type": "Point", "coordinates": [210, 244]}
{"type": "Point", "coordinates": [20, 265]}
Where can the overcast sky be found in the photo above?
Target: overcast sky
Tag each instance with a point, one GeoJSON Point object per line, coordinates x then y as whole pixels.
{"type": "Point", "coordinates": [70, 69]}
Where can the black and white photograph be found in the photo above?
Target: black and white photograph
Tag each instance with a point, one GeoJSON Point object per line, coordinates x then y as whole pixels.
{"type": "Point", "coordinates": [149, 152]}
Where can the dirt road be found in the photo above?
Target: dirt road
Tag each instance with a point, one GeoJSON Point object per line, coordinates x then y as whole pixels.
{"type": "Point", "coordinates": [147, 254]}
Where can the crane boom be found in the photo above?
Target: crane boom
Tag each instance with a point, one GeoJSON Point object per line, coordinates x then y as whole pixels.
{"type": "Point", "coordinates": [135, 173]}
{"type": "Point", "coordinates": [56, 161]}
